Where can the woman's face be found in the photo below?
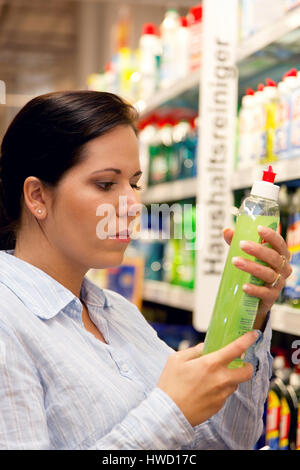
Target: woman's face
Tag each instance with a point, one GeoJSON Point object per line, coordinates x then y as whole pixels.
{"type": "Point", "coordinates": [96, 202]}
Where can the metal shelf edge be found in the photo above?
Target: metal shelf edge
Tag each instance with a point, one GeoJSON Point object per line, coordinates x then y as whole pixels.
{"type": "Point", "coordinates": [167, 294]}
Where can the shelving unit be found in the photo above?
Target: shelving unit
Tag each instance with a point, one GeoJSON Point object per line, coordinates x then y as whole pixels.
{"type": "Point", "coordinates": [186, 93]}
{"type": "Point", "coordinates": [167, 294]}
{"type": "Point", "coordinates": [172, 191]}
{"type": "Point", "coordinates": [286, 170]}
{"type": "Point", "coordinates": [285, 319]}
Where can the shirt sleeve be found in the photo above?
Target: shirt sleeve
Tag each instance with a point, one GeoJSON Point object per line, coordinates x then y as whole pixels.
{"type": "Point", "coordinates": [239, 424]}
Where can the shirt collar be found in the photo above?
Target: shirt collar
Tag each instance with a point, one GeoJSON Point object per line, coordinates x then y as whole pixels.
{"type": "Point", "coordinates": [41, 293]}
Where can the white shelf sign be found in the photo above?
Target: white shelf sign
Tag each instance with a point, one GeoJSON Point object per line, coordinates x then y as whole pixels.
{"type": "Point", "coordinates": [218, 107]}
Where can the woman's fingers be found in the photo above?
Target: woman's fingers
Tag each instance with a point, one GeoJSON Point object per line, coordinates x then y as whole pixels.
{"type": "Point", "coordinates": [275, 240]}
{"type": "Point", "coordinates": [264, 273]}
{"type": "Point", "coordinates": [265, 293]}
{"type": "Point", "coordinates": [268, 255]}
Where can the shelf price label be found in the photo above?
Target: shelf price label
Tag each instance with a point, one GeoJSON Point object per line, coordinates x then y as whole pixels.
{"type": "Point", "coordinates": [218, 107]}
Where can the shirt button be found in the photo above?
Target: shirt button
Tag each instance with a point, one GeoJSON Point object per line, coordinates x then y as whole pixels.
{"type": "Point", "coordinates": [124, 368]}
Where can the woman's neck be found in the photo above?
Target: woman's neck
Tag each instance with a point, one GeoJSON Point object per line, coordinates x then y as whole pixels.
{"type": "Point", "coordinates": [53, 263]}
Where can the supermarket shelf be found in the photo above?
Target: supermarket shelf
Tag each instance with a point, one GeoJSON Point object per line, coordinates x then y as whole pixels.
{"type": "Point", "coordinates": [172, 191]}
{"type": "Point", "coordinates": [165, 96]}
{"type": "Point", "coordinates": [167, 294]}
{"type": "Point", "coordinates": [285, 319]}
{"type": "Point", "coordinates": [286, 170]}
{"type": "Point", "coordinates": [269, 35]}
{"type": "Point", "coordinates": [257, 42]}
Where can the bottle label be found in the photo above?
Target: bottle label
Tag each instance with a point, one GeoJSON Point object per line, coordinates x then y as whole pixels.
{"type": "Point", "coordinates": [273, 420]}
{"type": "Point", "coordinates": [283, 125]}
{"type": "Point", "coordinates": [284, 426]}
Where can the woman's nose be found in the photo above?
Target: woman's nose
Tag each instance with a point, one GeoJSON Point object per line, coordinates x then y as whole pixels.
{"type": "Point", "coordinates": [129, 204]}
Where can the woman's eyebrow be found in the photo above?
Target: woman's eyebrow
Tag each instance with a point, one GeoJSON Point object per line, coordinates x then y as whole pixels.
{"type": "Point", "coordinates": [116, 170]}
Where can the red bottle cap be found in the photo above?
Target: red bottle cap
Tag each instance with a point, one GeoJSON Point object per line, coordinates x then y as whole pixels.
{"type": "Point", "coordinates": [183, 21]}
{"type": "Point", "coordinates": [292, 73]}
{"type": "Point", "coordinates": [269, 176]}
{"type": "Point", "coordinates": [270, 82]}
{"type": "Point", "coordinates": [195, 13]}
{"type": "Point", "coordinates": [249, 91]}
{"type": "Point", "coordinates": [149, 28]}
{"type": "Point", "coordinates": [260, 87]}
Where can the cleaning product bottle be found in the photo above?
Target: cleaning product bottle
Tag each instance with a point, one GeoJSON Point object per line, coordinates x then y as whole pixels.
{"type": "Point", "coordinates": [295, 120]}
{"type": "Point", "coordinates": [272, 102]}
{"type": "Point", "coordinates": [288, 419]}
{"type": "Point", "coordinates": [290, 79]}
{"type": "Point", "coordinates": [150, 53]}
{"type": "Point", "coordinates": [183, 48]}
{"type": "Point", "coordinates": [246, 149]}
{"type": "Point", "coordinates": [158, 166]}
{"type": "Point", "coordinates": [235, 311]}
{"type": "Point", "coordinates": [195, 29]}
{"type": "Point", "coordinates": [283, 130]}
{"type": "Point", "coordinates": [169, 41]}
{"type": "Point", "coordinates": [292, 285]}
{"type": "Point", "coordinates": [186, 265]}
{"type": "Point", "coordinates": [260, 125]}
{"type": "Point", "coordinates": [276, 391]}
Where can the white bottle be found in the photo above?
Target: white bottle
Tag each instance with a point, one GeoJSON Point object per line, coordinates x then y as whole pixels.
{"type": "Point", "coordinates": [183, 48]}
{"type": "Point", "coordinates": [260, 124]}
{"type": "Point", "coordinates": [292, 81]}
{"type": "Point", "coordinates": [282, 146]}
{"type": "Point", "coordinates": [149, 61]}
{"type": "Point", "coordinates": [169, 42]}
{"type": "Point", "coordinates": [195, 27]}
{"type": "Point", "coordinates": [246, 148]}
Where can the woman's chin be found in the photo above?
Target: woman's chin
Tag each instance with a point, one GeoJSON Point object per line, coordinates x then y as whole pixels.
{"type": "Point", "coordinates": [109, 260]}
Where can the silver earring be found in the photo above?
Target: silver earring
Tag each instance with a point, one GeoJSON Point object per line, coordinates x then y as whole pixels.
{"type": "Point", "coordinates": [39, 211]}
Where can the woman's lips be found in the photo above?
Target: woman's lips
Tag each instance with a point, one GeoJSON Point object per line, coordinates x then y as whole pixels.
{"type": "Point", "coordinates": [121, 237]}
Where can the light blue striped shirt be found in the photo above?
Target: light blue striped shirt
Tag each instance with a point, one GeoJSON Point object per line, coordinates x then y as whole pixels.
{"type": "Point", "coordinates": [61, 388]}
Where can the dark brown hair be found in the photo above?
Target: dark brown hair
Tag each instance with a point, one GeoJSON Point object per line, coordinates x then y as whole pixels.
{"type": "Point", "coordinates": [46, 139]}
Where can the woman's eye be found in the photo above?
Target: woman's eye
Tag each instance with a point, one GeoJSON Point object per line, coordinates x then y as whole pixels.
{"type": "Point", "coordinates": [137, 187]}
{"type": "Point", "coordinates": [105, 186]}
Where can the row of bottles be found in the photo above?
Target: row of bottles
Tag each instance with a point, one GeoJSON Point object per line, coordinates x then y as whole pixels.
{"type": "Point", "coordinates": [166, 53]}
{"type": "Point", "coordinates": [269, 122]}
{"type": "Point", "coordinates": [167, 245]}
{"type": "Point", "coordinates": [256, 15]}
{"type": "Point", "coordinates": [282, 411]}
{"type": "Point", "coordinates": [170, 144]}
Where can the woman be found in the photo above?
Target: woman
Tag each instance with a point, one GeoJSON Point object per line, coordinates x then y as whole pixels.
{"type": "Point", "coordinates": [80, 366]}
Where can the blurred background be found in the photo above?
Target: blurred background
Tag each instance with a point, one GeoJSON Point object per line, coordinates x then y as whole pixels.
{"type": "Point", "coordinates": [150, 52]}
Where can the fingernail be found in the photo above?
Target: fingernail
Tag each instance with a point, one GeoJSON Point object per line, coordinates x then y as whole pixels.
{"type": "Point", "coordinates": [244, 244]}
{"type": "Point", "coordinates": [245, 287]}
{"type": "Point", "coordinates": [260, 228]}
{"type": "Point", "coordinates": [237, 260]}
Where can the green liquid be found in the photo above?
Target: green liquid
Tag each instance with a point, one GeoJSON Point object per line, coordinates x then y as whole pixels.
{"type": "Point", "coordinates": [235, 311]}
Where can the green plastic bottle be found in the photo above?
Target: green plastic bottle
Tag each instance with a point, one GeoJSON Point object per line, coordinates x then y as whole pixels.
{"type": "Point", "coordinates": [235, 311]}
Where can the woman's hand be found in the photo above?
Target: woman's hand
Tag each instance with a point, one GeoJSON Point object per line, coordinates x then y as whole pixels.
{"type": "Point", "coordinates": [200, 385]}
{"type": "Point", "coordinates": [274, 275]}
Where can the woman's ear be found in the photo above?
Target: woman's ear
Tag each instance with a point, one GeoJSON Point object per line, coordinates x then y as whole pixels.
{"type": "Point", "coordinates": [34, 197]}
